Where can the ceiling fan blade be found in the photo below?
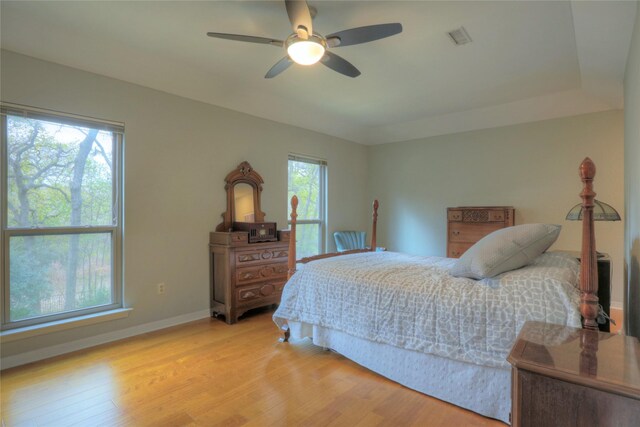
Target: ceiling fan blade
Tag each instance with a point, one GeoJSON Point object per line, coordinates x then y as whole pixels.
{"type": "Point", "coordinates": [339, 64]}
{"type": "Point", "coordinates": [363, 34]}
{"type": "Point", "coordinates": [280, 66]}
{"type": "Point", "coordinates": [250, 39]}
{"type": "Point", "coordinates": [299, 16]}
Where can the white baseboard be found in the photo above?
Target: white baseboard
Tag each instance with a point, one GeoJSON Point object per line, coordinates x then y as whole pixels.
{"type": "Point", "coordinates": [56, 350]}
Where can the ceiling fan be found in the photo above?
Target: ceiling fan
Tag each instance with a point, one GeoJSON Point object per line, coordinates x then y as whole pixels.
{"type": "Point", "coordinates": [306, 47]}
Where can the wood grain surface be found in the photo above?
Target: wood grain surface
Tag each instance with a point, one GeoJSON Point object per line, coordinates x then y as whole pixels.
{"type": "Point", "coordinates": [210, 373]}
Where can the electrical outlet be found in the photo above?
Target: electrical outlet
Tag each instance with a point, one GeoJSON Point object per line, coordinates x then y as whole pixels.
{"type": "Point", "coordinates": [161, 288]}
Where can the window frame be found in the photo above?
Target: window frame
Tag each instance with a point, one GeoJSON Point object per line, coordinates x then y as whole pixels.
{"type": "Point", "coordinates": [115, 230]}
{"type": "Point", "coordinates": [322, 208]}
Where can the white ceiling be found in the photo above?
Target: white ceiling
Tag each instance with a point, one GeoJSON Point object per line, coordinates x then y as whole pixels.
{"type": "Point", "coordinates": [529, 60]}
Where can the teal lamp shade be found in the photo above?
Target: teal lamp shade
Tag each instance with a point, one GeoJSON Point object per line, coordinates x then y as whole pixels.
{"type": "Point", "coordinates": [601, 212]}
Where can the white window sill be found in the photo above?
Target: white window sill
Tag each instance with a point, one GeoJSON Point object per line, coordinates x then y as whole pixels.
{"type": "Point", "coordinates": [61, 325]}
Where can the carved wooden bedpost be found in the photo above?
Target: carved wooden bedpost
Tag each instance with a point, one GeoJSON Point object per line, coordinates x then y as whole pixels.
{"type": "Point", "coordinates": [286, 333]}
{"type": "Point", "coordinates": [292, 237]}
{"type": "Point", "coordinates": [588, 264]}
{"type": "Point", "coordinates": [375, 225]}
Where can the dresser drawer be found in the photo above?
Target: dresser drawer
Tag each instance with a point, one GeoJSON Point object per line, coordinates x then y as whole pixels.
{"type": "Point", "coordinates": [236, 238]}
{"type": "Point", "coordinates": [260, 256]}
{"type": "Point", "coordinates": [497, 216]}
{"type": "Point", "coordinates": [479, 215]}
{"type": "Point", "coordinates": [454, 215]}
{"type": "Point", "coordinates": [456, 250]}
{"type": "Point", "coordinates": [270, 289]}
{"type": "Point", "coordinates": [464, 232]}
{"type": "Point", "coordinates": [256, 273]}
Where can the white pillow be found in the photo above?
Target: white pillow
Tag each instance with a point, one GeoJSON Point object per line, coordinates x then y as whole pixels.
{"type": "Point", "coordinates": [505, 249]}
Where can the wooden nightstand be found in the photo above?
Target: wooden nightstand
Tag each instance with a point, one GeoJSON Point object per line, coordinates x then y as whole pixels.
{"type": "Point", "coordinates": [604, 285]}
{"type": "Point", "coordinates": [564, 376]}
{"type": "Point", "coordinates": [604, 288]}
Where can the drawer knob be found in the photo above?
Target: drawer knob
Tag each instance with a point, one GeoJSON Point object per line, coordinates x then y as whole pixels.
{"type": "Point", "coordinates": [456, 233]}
{"type": "Point", "coordinates": [248, 294]}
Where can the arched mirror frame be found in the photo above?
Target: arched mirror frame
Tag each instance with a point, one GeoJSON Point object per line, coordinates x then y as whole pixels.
{"type": "Point", "coordinates": [243, 174]}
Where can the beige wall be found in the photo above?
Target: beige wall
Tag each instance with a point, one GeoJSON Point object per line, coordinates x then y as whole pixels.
{"type": "Point", "coordinates": [533, 167]}
{"type": "Point", "coordinates": [177, 153]}
{"type": "Point", "coordinates": [632, 182]}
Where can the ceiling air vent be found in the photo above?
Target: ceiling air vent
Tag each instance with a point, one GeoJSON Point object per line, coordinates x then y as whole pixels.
{"type": "Point", "coordinates": [460, 36]}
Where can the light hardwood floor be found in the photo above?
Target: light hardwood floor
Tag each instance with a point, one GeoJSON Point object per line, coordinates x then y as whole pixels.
{"type": "Point", "coordinates": [211, 374]}
{"type": "Point", "coordinates": [618, 316]}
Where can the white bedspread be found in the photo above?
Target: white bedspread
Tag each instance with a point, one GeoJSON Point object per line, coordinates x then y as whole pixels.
{"type": "Point", "coordinates": [413, 302]}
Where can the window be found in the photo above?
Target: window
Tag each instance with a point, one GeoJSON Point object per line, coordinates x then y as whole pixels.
{"type": "Point", "coordinates": [307, 180]}
{"type": "Point", "coordinates": [61, 205]}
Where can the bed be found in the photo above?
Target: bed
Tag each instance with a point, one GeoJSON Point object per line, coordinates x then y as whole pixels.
{"type": "Point", "coordinates": [408, 319]}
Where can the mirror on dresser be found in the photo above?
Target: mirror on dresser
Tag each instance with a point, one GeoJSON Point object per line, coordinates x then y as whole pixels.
{"type": "Point", "coordinates": [243, 207]}
{"type": "Point", "coordinates": [248, 257]}
{"type": "Point", "coordinates": [244, 188]}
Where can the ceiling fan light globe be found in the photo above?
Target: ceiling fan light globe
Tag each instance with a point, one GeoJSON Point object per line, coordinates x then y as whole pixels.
{"type": "Point", "coordinates": [305, 52]}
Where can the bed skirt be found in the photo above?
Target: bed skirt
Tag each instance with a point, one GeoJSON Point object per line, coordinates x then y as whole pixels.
{"type": "Point", "coordinates": [485, 390]}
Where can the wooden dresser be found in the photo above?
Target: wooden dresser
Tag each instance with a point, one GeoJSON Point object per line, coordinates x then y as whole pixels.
{"type": "Point", "coordinates": [564, 376]}
{"type": "Point", "coordinates": [246, 275]}
{"type": "Point", "coordinates": [468, 224]}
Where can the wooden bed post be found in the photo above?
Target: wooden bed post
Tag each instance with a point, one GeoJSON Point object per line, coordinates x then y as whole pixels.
{"type": "Point", "coordinates": [292, 237]}
{"type": "Point", "coordinates": [375, 224]}
{"type": "Point", "coordinates": [286, 333]}
{"type": "Point", "coordinates": [588, 264]}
